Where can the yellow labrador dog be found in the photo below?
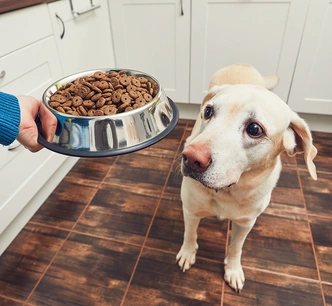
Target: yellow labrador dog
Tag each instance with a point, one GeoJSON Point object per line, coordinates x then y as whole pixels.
{"type": "Point", "coordinates": [231, 161]}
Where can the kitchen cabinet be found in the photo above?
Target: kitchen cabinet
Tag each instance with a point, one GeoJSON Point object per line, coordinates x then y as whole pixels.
{"type": "Point", "coordinates": [311, 91]}
{"type": "Point", "coordinates": [183, 43]}
{"type": "Point", "coordinates": [154, 36]}
{"type": "Point", "coordinates": [83, 41]}
{"type": "Point", "coordinates": [263, 33]}
{"type": "Point", "coordinates": [29, 64]}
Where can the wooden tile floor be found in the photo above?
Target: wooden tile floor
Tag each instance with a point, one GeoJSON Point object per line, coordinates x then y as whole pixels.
{"type": "Point", "coordinates": [109, 233]}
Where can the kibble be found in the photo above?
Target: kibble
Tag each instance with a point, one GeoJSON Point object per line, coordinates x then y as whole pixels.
{"type": "Point", "coordinates": [103, 93]}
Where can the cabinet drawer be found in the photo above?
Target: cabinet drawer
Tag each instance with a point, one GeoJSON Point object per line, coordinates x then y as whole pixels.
{"type": "Point", "coordinates": [28, 71]}
{"type": "Point", "coordinates": [26, 26]}
{"type": "Point", "coordinates": [7, 155]}
{"type": "Point", "coordinates": [31, 69]}
{"type": "Point", "coordinates": [21, 178]}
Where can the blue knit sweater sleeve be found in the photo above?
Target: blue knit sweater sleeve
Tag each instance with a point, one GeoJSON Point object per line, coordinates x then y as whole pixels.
{"type": "Point", "coordinates": [10, 117]}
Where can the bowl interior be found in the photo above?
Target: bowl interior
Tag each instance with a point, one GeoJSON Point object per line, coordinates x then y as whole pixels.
{"type": "Point", "coordinates": [63, 86]}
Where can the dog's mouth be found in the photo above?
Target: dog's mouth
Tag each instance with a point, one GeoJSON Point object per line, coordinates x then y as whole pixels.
{"type": "Point", "coordinates": [202, 178]}
{"type": "Point", "coordinates": [194, 175]}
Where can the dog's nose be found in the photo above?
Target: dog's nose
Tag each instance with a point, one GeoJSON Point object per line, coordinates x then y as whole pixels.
{"type": "Point", "coordinates": [196, 157]}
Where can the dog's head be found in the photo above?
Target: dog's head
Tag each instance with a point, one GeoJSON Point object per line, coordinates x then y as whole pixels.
{"type": "Point", "coordinates": [243, 128]}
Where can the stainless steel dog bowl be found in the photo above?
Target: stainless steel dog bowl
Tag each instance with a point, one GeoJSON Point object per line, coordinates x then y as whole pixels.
{"type": "Point", "coordinates": [111, 135]}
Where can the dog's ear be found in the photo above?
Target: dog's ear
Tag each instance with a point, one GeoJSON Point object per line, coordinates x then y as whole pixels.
{"type": "Point", "coordinates": [271, 81]}
{"type": "Point", "coordinates": [297, 139]}
{"type": "Point", "coordinates": [212, 92]}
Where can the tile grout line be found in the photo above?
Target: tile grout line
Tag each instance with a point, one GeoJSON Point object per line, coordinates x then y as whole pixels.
{"type": "Point", "coordinates": [311, 237]}
{"type": "Point", "coordinates": [66, 238]}
{"type": "Point", "coordinates": [317, 171]}
{"type": "Point", "coordinates": [11, 299]}
{"type": "Point", "coordinates": [152, 219]}
{"type": "Point", "coordinates": [223, 285]}
{"type": "Point", "coordinates": [45, 271]}
{"type": "Point", "coordinates": [311, 280]}
{"type": "Point", "coordinates": [107, 173]}
{"type": "Point", "coordinates": [327, 283]}
{"type": "Point", "coordinates": [319, 216]}
{"type": "Point", "coordinates": [246, 267]}
{"type": "Point", "coordinates": [85, 234]}
{"type": "Point", "coordinates": [320, 171]}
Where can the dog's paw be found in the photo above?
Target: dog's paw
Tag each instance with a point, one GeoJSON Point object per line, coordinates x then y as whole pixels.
{"type": "Point", "coordinates": [234, 276]}
{"type": "Point", "coordinates": [186, 257]}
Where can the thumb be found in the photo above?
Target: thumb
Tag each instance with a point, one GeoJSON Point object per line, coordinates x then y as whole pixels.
{"type": "Point", "coordinates": [48, 122]}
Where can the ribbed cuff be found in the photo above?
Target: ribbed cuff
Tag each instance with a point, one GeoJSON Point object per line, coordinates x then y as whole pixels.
{"type": "Point", "coordinates": [10, 118]}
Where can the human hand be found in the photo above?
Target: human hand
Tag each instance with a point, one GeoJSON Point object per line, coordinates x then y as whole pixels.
{"type": "Point", "coordinates": [28, 131]}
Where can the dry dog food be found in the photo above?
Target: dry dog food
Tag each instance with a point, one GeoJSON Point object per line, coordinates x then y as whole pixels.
{"type": "Point", "coordinates": [103, 93]}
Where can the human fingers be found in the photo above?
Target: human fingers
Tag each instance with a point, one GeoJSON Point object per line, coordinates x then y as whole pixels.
{"type": "Point", "coordinates": [28, 138]}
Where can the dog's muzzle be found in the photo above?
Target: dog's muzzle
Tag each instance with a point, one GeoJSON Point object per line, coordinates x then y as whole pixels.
{"type": "Point", "coordinates": [194, 169]}
{"type": "Point", "coordinates": [195, 166]}
{"type": "Point", "coordinates": [195, 161]}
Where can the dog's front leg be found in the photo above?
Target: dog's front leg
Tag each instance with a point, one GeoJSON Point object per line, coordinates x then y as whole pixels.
{"type": "Point", "coordinates": [234, 275]}
{"type": "Point", "coordinates": [187, 254]}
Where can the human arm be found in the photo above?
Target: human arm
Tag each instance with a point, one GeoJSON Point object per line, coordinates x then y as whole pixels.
{"type": "Point", "coordinates": [25, 129]}
{"type": "Point", "coordinates": [10, 118]}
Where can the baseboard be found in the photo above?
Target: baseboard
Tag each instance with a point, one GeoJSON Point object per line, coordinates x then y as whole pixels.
{"type": "Point", "coordinates": [318, 123]}
{"type": "Point", "coordinates": [188, 111]}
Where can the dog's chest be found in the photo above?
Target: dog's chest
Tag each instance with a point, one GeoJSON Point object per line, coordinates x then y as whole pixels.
{"type": "Point", "coordinates": [224, 205]}
{"type": "Point", "coordinates": [231, 203]}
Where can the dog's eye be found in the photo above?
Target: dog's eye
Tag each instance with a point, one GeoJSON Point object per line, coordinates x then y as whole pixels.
{"type": "Point", "coordinates": [208, 112]}
{"type": "Point", "coordinates": [254, 130]}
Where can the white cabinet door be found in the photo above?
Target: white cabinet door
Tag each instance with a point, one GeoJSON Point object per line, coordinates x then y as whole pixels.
{"type": "Point", "coordinates": [87, 40]}
{"type": "Point", "coordinates": [153, 36]}
{"type": "Point", "coordinates": [29, 70]}
{"type": "Point", "coordinates": [312, 85]}
{"type": "Point", "coordinates": [263, 33]}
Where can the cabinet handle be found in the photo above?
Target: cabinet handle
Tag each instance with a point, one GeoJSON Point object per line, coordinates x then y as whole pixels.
{"type": "Point", "coordinates": [63, 26]}
{"type": "Point", "coordinates": [13, 145]}
{"type": "Point", "coordinates": [2, 73]}
{"type": "Point", "coordinates": [88, 9]}
{"type": "Point", "coordinates": [182, 12]}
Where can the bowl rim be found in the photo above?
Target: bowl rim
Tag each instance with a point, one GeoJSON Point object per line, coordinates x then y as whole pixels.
{"type": "Point", "coordinates": [155, 99]}
{"type": "Point", "coordinates": [116, 152]}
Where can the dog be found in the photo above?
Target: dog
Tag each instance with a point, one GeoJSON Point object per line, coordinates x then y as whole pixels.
{"type": "Point", "coordinates": [231, 161]}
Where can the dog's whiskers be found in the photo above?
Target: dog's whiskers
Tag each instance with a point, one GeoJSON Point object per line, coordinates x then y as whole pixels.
{"type": "Point", "coordinates": [179, 157]}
